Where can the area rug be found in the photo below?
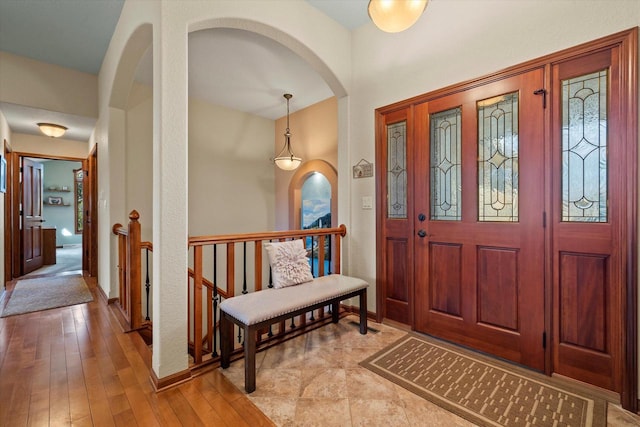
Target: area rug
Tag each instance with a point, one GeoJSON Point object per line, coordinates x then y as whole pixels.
{"type": "Point", "coordinates": [46, 292]}
{"type": "Point", "coordinates": [485, 391]}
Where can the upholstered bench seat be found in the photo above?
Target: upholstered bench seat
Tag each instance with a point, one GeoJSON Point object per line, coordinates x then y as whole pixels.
{"type": "Point", "coordinates": [258, 310]}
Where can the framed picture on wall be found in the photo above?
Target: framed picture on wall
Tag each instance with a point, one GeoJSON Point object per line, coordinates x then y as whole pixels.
{"type": "Point", "coordinates": [55, 200]}
{"type": "Point", "coordinates": [3, 174]}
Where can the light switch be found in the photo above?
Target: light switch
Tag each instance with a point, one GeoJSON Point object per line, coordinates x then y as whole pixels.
{"type": "Point", "coordinates": [367, 202]}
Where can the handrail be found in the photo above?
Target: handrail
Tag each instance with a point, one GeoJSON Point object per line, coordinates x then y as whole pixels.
{"type": "Point", "coordinates": [208, 283]}
{"type": "Point", "coordinates": [268, 235]}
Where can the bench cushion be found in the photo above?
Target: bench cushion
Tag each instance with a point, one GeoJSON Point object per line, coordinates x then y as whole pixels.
{"type": "Point", "coordinates": [267, 304]}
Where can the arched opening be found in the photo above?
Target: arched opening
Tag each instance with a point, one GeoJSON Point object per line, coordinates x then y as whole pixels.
{"type": "Point", "coordinates": [313, 173]}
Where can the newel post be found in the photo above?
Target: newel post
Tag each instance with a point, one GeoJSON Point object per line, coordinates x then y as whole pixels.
{"type": "Point", "coordinates": [133, 276]}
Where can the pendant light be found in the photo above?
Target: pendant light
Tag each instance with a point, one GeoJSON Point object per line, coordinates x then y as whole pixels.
{"type": "Point", "coordinates": [394, 16]}
{"type": "Point", "coordinates": [286, 160]}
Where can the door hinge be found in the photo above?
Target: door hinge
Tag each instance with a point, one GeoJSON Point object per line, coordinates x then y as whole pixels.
{"type": "Point", "coordinates": [542, 92]}
{"type": "Point", "coordinates": [544, 339]}
{"type": "Point", "coordinates": [544, 220]}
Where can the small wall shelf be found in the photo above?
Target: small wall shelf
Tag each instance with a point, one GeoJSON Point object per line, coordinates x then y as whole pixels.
{"type": "Point", "coordinates": [56, 189]}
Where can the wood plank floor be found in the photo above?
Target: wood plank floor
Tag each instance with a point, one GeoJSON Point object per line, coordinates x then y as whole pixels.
{"type": "Point", "coordinates": [74, 366]}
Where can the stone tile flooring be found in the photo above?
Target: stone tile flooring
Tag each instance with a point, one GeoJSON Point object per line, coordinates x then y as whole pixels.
{"type": "Point", "coordinates": [315, 380]}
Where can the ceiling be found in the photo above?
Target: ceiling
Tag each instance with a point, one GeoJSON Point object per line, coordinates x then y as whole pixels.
{"type": "Point", "coordinates": [251, 72]}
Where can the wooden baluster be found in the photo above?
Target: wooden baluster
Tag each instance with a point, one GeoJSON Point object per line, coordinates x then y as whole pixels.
{"type": "Point", "coordinates": [197, 304]}
{"type": "Point", "coordinates": [215, 299]}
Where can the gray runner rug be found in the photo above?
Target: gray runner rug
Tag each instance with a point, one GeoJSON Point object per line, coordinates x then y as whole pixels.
{"type": "Point", "coordinates": [483, 390]}
{"type": "Point", "coordinates": [46, 292]}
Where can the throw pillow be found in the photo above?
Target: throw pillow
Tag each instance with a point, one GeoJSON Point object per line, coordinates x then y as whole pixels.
{"type": "Point", "coordinates": [289, 263]}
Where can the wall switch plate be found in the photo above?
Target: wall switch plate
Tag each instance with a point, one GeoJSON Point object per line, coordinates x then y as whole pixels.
{"type": "Point", "coordinates": [367, 202]}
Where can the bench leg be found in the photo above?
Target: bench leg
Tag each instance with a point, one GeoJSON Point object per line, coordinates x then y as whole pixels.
{"type": "Point", "coordinates": [249, 359]}
{"type": "Point", "coordinates": [363, 312]}
{"type": "Point", "coordinates": [335, 311]}
{"type": "Point", "coordinates": [226, 340]}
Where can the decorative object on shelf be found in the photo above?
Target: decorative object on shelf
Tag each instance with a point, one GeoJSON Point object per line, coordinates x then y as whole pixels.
{"type": "Point", "coordinates": [286, 160]}
{"type": "Point", "coordinates": [52, 130]}
{"type": "Point", "coordinates": [363, 169]}
{"type": "Point", "coordinates": [3, 174]}
{"type": "Point", "coordinates": [54, 200]}
{"type": "Point", "coordinates": [393, 16]}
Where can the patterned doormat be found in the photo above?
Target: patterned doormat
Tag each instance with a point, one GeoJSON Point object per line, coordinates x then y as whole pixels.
{"type": "Point", "coordinates": [482, 390]}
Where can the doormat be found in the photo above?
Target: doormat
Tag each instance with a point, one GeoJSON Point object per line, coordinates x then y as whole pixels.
{"type": "Point", "coordinates": [482, 390]}
{"type": "Point", "coordinates": [44, 293]}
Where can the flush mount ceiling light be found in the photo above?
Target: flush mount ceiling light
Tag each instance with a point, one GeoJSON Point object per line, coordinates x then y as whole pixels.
{"type": "Point", "coordinates": [52, 130]}
{"type": "Point", "coordinates": [394, 16]}
{"type": "Point", "coordinates": [286, 160]}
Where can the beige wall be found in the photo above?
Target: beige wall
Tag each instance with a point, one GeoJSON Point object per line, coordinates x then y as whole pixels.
{"type": "Point", "coordinates": [36, 84]}
{"type": "Point", "coordinates": [46, 146]}
{"type": "Point", "coordinates": [314, 135]}
{"type": "Point", "coordinates": [231, 180]}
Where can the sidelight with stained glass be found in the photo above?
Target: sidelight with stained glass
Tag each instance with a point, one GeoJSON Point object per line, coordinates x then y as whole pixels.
{"type": "Point", "coordinates": [397, 170]}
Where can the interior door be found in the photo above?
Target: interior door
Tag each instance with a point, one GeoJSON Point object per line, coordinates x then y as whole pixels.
{"type": "Point", "coordinates": [479, 218]}
{"type": "Point", "coordinates": [31, 215]}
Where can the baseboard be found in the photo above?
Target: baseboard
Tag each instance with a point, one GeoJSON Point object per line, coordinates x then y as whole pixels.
{"type": "Point", "coordinates": [104, 296]}
{"type": "Point", "coordinates": [356, 310]}
{"type": "Point", "coordinates": [160, 384]}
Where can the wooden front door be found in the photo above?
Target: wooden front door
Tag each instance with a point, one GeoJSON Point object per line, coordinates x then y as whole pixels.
{"type": "Point", "coordinates": [479, 224]}
{"type": "Point", "coordinates": [31, 215]}
{"type": "Point", "coordinates": [507, 213]}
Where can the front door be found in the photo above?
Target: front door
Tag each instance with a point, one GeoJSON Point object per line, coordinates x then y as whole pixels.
{"type": "Point", "coordinates": [479, 218]}
{"type": "Point", "coordinates": [31, 215]}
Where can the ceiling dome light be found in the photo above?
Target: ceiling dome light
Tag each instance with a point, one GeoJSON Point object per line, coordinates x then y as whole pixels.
{"type": "Point", "coordinates": [52, 130]}
{"type": "Point", "coordinates": [286, 160]}
{"type": "Point", "coordinates": [394, 16]}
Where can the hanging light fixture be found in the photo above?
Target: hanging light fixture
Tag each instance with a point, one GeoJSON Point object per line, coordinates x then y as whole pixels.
{"type": "Point", "coordinates": [394, 16]}
{"type": "Point", "coordinates": [286, 160]}
{"type": "Point", "coordinates": [52, 130]}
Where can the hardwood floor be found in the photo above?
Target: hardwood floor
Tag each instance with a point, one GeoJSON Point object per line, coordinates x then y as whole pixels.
{"type": "Point", "coordinates": [74, 366]}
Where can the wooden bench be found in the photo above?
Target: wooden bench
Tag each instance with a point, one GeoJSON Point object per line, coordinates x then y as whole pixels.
{"type": "Point", "coordinates": [257, 310]}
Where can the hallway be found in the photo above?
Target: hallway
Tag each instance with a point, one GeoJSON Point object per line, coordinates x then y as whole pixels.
{"type": "Point", "coordinates": [74, 365]}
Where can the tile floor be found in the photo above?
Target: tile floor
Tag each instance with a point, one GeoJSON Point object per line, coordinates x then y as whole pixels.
{"type": "Point", "coordinates": [315, 380]}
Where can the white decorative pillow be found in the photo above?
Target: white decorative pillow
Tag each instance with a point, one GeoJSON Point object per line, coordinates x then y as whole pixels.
{"type": "Point", "coordinates": [289, 263]}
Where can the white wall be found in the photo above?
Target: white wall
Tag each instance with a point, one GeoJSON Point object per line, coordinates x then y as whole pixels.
{"type": "Point", "coordinates": [5, 135]}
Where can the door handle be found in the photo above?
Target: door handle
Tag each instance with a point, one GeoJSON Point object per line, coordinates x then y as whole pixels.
{"type": "Point", "coordinates": [422, 233]}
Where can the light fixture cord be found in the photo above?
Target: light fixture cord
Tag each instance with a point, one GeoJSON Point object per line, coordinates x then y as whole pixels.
{"type": "Point", "coordinates": [287, 133]}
